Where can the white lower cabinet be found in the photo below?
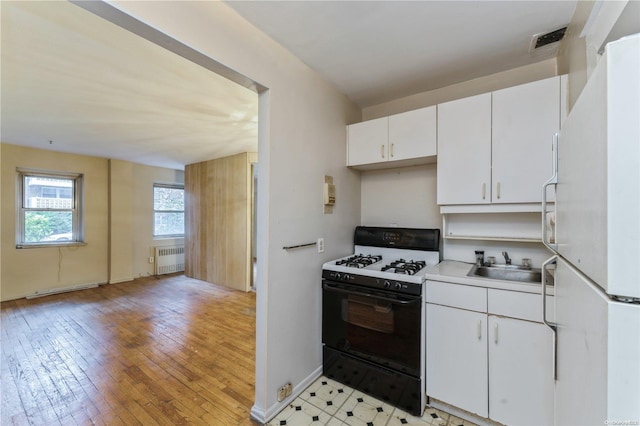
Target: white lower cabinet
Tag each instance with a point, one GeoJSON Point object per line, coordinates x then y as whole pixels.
{"type": "Point", "coordinates": [457, 358]}
{"type": "Point", "coordinates": [520, 372]}
{"type": "Point", "coordinates": [490, 365]}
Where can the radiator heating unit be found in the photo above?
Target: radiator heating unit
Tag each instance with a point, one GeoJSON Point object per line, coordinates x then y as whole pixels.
{"type": "Point", "coordinates": [169, 259]}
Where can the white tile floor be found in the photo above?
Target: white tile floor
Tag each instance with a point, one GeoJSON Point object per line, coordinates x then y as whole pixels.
{"type": "Point", "coordinates": [327, 402]}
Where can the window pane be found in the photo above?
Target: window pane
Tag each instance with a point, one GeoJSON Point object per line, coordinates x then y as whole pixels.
{"type": "Point", "coordinates": [168, 198]}
{"type": "Point", "coordinates": [45, 226]}
{"type": "Point", "coordinates": [168, 224]}
{"type": "Point", "coordinates": [47, 193]}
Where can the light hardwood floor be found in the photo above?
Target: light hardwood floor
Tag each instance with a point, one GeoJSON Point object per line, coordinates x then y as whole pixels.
{"type": "Point", "coordinates": [165, 351]}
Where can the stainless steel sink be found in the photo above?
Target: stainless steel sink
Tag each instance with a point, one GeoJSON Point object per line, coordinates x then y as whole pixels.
{"type": "Point", "coordinates": [508, 273]}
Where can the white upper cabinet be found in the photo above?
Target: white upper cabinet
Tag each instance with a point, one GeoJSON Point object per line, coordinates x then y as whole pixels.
{"type": "Point", "coordinates": [497, 147]}
{"type": "Point", "coordinates": [402, 139]}
{"type": "Point", "coordinates": [464, 151]}
{"type": "Point", "coordinates": [368, 142]}
{"type": "Point", "coordinates": [412, 134]}
{"type": "Point", "coordinates": [524, 121]}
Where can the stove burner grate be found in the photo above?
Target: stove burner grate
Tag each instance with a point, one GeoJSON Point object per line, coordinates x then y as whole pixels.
{"type": "Point", "coordinates": [402, 266]}
{"type": "Point", "coordinates": [359, 261]}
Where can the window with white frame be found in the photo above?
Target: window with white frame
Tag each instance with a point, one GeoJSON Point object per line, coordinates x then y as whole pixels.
{"type": "Point", "coordinates": [50, 208]}
{"type": "Point", "coordinates": [168, 210]}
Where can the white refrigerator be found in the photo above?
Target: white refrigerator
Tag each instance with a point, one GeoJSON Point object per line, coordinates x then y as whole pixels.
{"type": "Point", "coordinates": [597, 246]}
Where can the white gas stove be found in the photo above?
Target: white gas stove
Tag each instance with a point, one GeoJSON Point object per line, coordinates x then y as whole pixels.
{"type": "Point", "coordinates": [388, 258]}
{"type": "Point", "coordinates": [373, 314]}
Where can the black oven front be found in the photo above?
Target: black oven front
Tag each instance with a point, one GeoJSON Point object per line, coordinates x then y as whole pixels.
{"type": "Point", "coordinates": [372, 342]}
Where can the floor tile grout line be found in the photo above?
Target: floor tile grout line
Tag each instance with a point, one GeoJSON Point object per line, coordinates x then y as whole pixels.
{"type": "Point", "coordinates": [395, 412]}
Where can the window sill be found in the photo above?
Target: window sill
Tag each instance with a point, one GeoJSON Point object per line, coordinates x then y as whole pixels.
{"type": "Point", "coordinates": [56, 244]}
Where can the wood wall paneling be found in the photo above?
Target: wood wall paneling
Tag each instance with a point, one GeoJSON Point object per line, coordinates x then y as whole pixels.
{"type": "Point", "coordinates": [219, 216]}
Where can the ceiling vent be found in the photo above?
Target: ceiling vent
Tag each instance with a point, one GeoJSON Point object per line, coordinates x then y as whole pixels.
{"type": "Point", "coordinates": [540, 40]}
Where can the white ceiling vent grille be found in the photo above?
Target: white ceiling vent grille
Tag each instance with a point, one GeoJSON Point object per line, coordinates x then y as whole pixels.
{"type": "Point", "coordinates": [541, 40]}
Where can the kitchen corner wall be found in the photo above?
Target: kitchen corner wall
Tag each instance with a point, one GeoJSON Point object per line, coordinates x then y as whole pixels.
{"type": "Point", "coordinates": [592, 26]}
{"type": "Point", "coordinates": [501, 80]}
{"type": "Point", "coordinates": [403, 197]}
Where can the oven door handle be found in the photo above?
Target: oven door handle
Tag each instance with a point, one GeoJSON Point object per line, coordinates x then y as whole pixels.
{"type": "Point", "coordinates": [373, 296]}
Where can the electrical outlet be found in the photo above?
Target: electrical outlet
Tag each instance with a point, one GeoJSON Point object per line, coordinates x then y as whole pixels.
{"type": "Point", "coordinates": [282, 393]}
{"type": "Point", "coordinates": [320, 245]}
{"type": "Point", "coordinates": [151, 259]}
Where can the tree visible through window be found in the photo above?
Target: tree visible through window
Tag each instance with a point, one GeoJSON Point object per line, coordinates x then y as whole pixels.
{"type": "Point", "coordinates": [49, 208]}
{"type": "Point", "coordinates": [168, 210]}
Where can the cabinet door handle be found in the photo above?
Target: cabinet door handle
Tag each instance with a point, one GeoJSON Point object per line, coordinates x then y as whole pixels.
{"type": "Point", "coordinates": [392, 149]}
{"type": "Point", "coordinates": [382, 151]}
{"type": "Point", "coordinates": [553, 327]}
{"type": "Point", "coordinates": [495, 333]}
{"type": "Point", "coordinates": [479, 329]}
{"type": "Point", "coordinates": [553, 180]}
{"type": "Point", "coordinates": [484, 190]}
{"type": "Point", "coordinates": [498, 190]}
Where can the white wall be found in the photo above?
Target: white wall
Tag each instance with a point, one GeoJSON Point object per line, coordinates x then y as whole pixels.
{"type": "Point", "coordinates": [301, 138]}
{"type": "Point", "coordinates": [501, 80]}
{"type": "Point", "coordinates": [592, 26]}
{"type": "Point", "coordinates": [404, 197]}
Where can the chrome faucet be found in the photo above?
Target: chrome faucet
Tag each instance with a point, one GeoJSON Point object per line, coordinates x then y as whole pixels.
{"type": "Point", "coordinates": [507, 259]}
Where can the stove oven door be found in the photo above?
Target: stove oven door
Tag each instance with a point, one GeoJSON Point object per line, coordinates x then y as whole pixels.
{"type": "Point", "coordinates": [377, 326]}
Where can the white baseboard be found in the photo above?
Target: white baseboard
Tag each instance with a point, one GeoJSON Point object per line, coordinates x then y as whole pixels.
{"type": "Point", "coordinates": [264, 416]}
{"type": "Point", "coordinates": [49, 292]}
{"type": "Point", "coordinates": [464, 415]}
{"type": "Point", "coordinates": [121, 280]}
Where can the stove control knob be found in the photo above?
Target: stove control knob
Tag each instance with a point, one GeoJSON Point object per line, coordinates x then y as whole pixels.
{"type": "Point", "coordinates": [397, 286]}
{"type": "Point", "coordinates": [338, 275]}
{"type": "Point", "coordinates": [346, 277]}
{"type": "Point", "coordinates": [387, 284]}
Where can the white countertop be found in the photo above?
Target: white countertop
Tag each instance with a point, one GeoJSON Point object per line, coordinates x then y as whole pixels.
{"type": "Point", "coordinates": [456, 272]}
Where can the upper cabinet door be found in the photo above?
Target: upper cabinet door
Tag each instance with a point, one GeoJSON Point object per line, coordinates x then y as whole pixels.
{"type": "Point", "coordinates": [525, 119]}
{"type": "Point", "coordinates": [412, 134]}
{"type": "Point", "coordinates": [367, 142]}
{"type": "Point", "coordinates": [464, 151]}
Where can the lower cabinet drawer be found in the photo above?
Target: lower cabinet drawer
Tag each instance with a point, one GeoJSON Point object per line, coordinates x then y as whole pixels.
{"type": "Point", "coordinates": [515, 304]}
{"type": "Point", "coordinates": [457, 296]}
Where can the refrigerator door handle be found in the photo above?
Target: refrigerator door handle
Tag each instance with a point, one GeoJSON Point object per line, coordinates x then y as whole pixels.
{"type": "Point", "coordinates": [552, 326]}
{"type": "Point", "coordinates": [553, 180]}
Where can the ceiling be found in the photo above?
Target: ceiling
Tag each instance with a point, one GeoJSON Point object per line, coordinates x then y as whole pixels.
{"type": "Point", "coordinates": [377, 51]}
{"type": "Point", "coordinates": [74, 82]}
